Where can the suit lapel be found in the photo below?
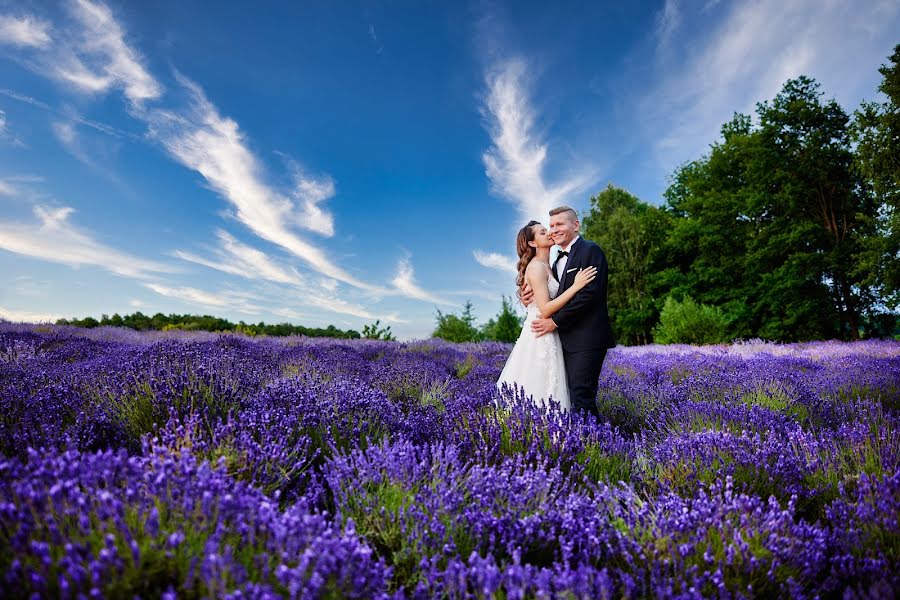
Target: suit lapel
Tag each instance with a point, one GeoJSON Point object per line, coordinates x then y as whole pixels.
{"type": "Point", "coordinates": [564, 277]}
{"type": "Point", "coordinates": [553, 269]}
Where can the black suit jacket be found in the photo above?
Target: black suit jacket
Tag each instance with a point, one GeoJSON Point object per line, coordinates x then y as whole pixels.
{"type": "Point", "coordinates": [583, 322]}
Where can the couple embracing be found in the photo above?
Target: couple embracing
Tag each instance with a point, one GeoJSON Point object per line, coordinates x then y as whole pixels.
{"type": "Point", "coordinates": [566, 333]}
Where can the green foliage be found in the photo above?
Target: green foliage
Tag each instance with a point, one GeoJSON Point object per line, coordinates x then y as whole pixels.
{"type": "Point", "coordinates": [161, 322]}
{"type": "Point", "coordinates": [603, 466]}
{"type": "Point", "coordinates": [506, 327]}
{"type": "Point", "coordinates": [771, 223]}
{"type": "Point", "coordinates": [457, 328]}
{"type": "Point", "coordinates": [876, 130]}
{"type": "Point", "coordinates": [687, 322]}
{"type": "Point", "coordinates": [375, 332]}
{"type": "Point", "coordinates": [631, 233]}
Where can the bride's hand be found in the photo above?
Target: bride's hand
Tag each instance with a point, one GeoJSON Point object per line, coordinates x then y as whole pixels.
{"type": "Point", "coordinates": [584, 276]}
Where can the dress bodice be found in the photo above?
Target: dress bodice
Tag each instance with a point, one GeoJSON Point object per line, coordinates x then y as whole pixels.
{"type": "Point", "coordinates": [553, 285]}
{"type": "Point", "coordinates": [553, 288]}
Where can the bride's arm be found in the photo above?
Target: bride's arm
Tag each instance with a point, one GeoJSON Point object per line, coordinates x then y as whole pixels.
{"type": "Point", "coordinates": [536, 275]}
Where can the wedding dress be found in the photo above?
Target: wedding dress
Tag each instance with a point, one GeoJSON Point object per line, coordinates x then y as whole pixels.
{"type": "Point", "coordinates": [536, 364]}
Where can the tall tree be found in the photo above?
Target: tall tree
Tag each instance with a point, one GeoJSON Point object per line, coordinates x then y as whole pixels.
{"type": "Point", "coordinates": [818, 214]}
{"type": "Point", "coordinates": [771, 222]}
{"type": "Point", "coordinates": [705, 254]}
{"type": "Point", "coordinates": [876, 129]}
{"type": "Point", "coordinates": [630, 232]}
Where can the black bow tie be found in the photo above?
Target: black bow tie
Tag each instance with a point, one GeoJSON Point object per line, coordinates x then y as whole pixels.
{"type": "Point", "coordinates": [558, 258]}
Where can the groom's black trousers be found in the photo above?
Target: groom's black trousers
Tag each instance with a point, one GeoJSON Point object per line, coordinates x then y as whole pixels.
{"type": "Point", "coordinates": [583, 372]}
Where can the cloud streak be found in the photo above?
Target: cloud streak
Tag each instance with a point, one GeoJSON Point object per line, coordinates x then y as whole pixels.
{"type": "Point", "coordinates": [24, 31]}
{"type": "Point", "coordinates": [53, 238]}
{"type": "Point", "coordinates": [493, 260]}
{"type": "Point", "coordinates": [102, 59]}
{"type": "Point", "coordinates": [245, 261]}
{"type": "Point", "coordinates": [517, 158]}
{"type": "Point", "coordinates": [240, 259]}
{"type": "Point", "coordinates": [746, 54]}
{"type": "Point", "coordinates": [220, 299]}
{"type": "Point", "coordinates": [214, 146]}
{"type": "Point", "coordinates": [405, 282]}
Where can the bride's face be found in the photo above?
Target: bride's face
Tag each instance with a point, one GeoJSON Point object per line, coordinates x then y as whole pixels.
{"type": "Point", "coordinates": [542, 237]}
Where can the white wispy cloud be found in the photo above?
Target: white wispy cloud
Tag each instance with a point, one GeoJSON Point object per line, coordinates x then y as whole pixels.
{"type": "Point", "coordinates": [92, 151]}
{"type": "Point", "coordinates": [29, 286]}
{"type": "Point", "coordinates": [66, 134]}
{"type": "Point", "coordinates": [667, 22]}
{"type": "Point", "coordinates": [221, 299]}
{"type": "Point", "coordinates": [494, 260]}
{"type": "Point", "coordinates": [310, 193]}
{"type": "Point", "coordinates": [214, 146]}
{"type": "Point", "coordinates": [746, 52]}
{"type": "Point", "coordinates": [27, 316]}
{"type": "Point", "coordinates": [53, 238]}
{"type": "Point", "coordinates": [101, 59]}
{"type": "Point", "coordinates": [290, 313]}
{"type": "Point", "coordinates": [5, 134]}
{"type": "Point", "coordinates": [6, 189]}
{"type": "Point", "coordinates": [69, 115]}
{"type": "Point", "coordinates": [405, 282]}
{"type": "Point", "coordinates": [340, 306]}
{"type": "Point", "coordinates": [24, 31]}
{"type": "Point", "coordinates": [516, 160]}
{"type": "Point", "coordinates": [237, 258]}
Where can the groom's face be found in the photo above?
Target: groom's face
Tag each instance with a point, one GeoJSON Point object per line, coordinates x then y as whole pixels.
{"type": "Point", "coordinates": [563, 228]}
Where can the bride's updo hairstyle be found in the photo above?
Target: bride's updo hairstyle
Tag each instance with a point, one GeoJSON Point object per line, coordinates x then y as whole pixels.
{"type": "Point", "coordinates": [525, 252]}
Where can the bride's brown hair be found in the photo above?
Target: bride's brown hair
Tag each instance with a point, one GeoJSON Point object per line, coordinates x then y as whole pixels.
{"type": "Point", "coordinates": [525, 252]}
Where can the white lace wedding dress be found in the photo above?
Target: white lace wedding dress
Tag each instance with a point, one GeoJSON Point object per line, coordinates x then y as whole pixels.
{"type": "Point", "coordinates": [536, 364]}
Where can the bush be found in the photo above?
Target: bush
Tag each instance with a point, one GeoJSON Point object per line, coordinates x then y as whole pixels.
{"type": "Point", "coordinates": [687, 322]}
{"type": "Point", "coordinates": [457, 328]}
{"type": "Point", "coordinates": [506, 327]}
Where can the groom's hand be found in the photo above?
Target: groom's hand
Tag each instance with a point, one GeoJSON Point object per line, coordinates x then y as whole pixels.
{"type": "Point", "coordinates": [542, 326]}
{"type": "Point", "coordinates": [526, 295]}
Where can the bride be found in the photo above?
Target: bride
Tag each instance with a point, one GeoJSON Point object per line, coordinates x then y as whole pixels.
{"type": "Point", "coordinates": [536, 363]}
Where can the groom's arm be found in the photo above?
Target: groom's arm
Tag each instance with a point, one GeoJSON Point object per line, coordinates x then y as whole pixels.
{"type": "Point", "coordinates": [586, 299]}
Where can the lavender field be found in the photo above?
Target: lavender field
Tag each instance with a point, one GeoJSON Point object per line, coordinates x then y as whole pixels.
{"type": "Point", "coordinates": [196, 466]}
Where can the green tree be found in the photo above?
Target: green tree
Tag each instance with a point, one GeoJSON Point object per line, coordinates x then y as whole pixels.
{"type": "Point", "coordinates": [631, 233]}
{"type": "Point", "coordinates": [770, 224]}
{"type": "Point", "coordinates": [506, 327]}
{"type": "Point", "coordinates": [876, 130]}
{"type": "Point", "coordinates": [376, 332]}
{"type": "Point", "coordinates": [457, 328]}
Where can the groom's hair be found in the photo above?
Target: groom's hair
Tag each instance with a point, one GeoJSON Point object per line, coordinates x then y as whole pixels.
{"type": "Point", "coordinates": [565, 209]}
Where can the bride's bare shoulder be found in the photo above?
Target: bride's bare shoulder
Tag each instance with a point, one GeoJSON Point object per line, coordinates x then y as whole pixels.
{"type": "Point", "coordinates": [536, 268]}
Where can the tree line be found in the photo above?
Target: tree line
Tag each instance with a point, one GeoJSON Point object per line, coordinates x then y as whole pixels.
{"type": "Point", "coordinates": [788, 229]}
{"type": "Point", "coordinates": [187, 322]}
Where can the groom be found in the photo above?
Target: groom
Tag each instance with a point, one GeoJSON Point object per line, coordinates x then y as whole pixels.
{"type": "Point", "coordinates": [583, 323]}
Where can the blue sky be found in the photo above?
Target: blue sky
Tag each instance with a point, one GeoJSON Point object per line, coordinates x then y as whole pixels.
{"type": "Point", "coordinates": [340, 162]}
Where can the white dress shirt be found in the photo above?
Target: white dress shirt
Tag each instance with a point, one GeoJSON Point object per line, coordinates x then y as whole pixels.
{"type": "Point", "coordinates": [561, 265]}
